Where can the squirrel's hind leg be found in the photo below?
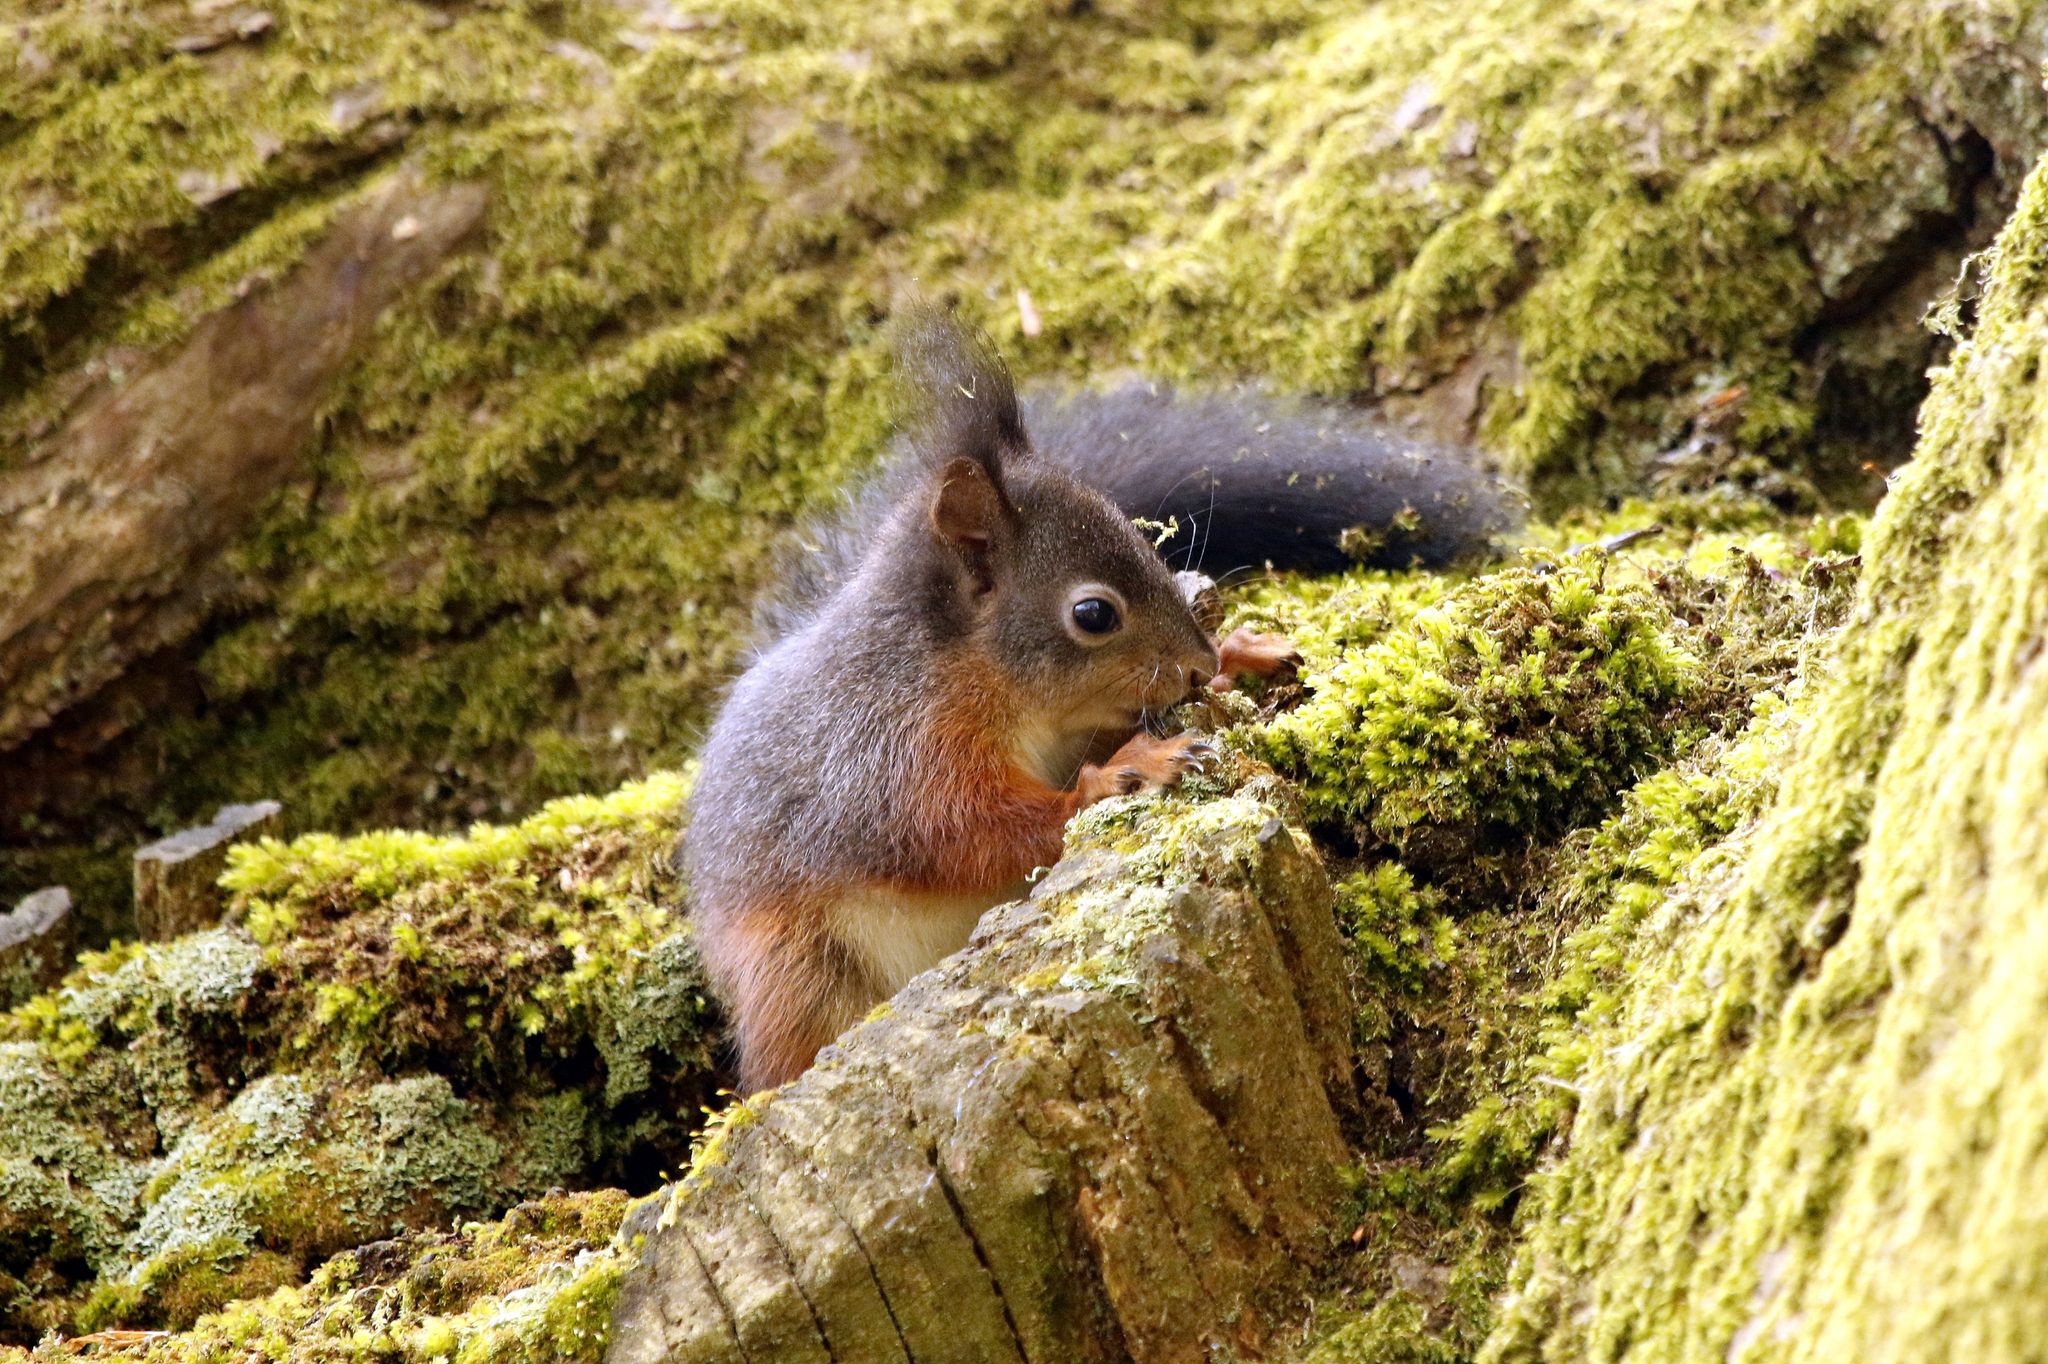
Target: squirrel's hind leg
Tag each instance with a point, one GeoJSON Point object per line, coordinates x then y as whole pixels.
{"type": "Point", "coordinates": [788, 988]}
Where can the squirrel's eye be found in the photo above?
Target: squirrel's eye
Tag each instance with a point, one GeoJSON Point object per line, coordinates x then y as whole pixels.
{"type": "Point", "coordinates": [1095, 616]}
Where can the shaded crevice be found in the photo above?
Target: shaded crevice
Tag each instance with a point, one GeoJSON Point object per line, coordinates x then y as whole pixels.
{"type": "Point", "coordinates": [929, 1148]}
{"type": "Point", "coordinates": [1187, 1064]}
{"type": "Point", "coordinates": [1327, 1030]}
{"type": "Point", "coordinates": [726, 1314]}
{"type": "Point", "coordinates": [1042, 1245]}
{"type": "Point", "coordinates": [980, 1255]}
{"type": "Point", "coordinates": [788, 1263]}
{"type": "Point", "coordinates": [803, 1159]}
{"type": "Point", "coordinates": [1866, 352]}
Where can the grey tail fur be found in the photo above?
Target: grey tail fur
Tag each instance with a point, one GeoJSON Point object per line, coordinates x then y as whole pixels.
{"type": "Point", "coordinates": [1251, 479]}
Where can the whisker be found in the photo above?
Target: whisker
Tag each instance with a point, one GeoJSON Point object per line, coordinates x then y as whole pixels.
{"type": "Point", "coordinates": [1209, 531]}
{"type": "Point", "coordinates": [1174, 487]}
{"type": "Point", "coordinates": [1258, 572]}
{"type": "Point", "coordinates": [1186, 550]}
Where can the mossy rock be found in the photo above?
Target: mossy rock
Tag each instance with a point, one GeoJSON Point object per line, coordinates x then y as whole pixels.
{"type": "Point", "coordinates": [393, 1032]}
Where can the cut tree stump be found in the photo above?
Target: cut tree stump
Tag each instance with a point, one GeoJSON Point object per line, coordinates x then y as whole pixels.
{"type": "Point", "coordinates": [177, 879]}
{"type": "Point", "coordinates": [36, 941]}
{"type": "Point", "coordinates": [1107, 1131]}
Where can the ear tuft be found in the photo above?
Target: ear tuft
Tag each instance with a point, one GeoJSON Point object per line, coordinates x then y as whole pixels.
{"type": "Point", "coordinates": [955, 398]}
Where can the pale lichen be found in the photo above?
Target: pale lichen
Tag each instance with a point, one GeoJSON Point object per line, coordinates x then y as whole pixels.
{"type": "Point", "coordinates": [535, 1287]}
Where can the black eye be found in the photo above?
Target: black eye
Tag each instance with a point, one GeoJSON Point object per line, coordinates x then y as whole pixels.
{"type": "Point", "coordinates": [1095, 616]}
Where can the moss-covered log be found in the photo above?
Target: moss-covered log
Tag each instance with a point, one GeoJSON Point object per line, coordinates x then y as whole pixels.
{"type": "Point", "coordinates": [1605, 237]}
{"type": "Point", "coordinates": [1812, 1128]}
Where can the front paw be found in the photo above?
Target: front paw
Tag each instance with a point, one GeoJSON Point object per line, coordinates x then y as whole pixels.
{"type": "Point", "coordinates": [1148, 764]}
{"type": "Point", "coordinates": [1246, 652]}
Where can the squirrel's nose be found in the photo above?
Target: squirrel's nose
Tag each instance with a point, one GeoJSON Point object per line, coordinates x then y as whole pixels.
{"type": "Point", "coordinates": [1198, 679]}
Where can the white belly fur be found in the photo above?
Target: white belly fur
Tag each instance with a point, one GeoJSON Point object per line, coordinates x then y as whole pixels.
{"type": "Point", "coordinates": [895, 935]}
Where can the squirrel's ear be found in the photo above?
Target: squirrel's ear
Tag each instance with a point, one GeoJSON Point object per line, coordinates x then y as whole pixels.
{"type": "Point", "coordinates": [968, 512]}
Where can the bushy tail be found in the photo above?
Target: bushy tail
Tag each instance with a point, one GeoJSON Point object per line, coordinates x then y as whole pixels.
{"type": "Point", "coordinates": [1249, 479]}
{"type": "Point", "coordinates": [1253, 479]}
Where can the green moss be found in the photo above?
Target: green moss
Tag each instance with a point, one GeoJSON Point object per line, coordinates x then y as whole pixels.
{"type": "Point", "coordinates": [1419, 1299]}
{"type": "Point", "coordinates": [1603, 887]}
{"type": "Point", "coordinates": [1392, 1332]}
{"type": "Point", "coordinates": [1476, 996]}
{"type": "Point", "coordinates": [1324, 617]}
{"type": "Point", "coordinates": [1523, 704]}
{"type": "Point", "coordinates": [1398, 934]}
{"type": "Point", "coordinates": [1476, 1019]}
{"type": "Point", "coordinates": [1507, 710]}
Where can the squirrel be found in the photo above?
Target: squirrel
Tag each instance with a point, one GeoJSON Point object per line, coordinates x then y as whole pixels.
{"type": "Point", "coordinates": [969, 656]}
